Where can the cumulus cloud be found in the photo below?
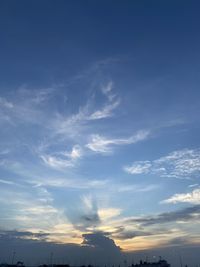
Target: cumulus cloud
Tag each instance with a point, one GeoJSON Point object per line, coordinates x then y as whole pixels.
{"type": "Point", "coordinates": [179, 164]}
{"type": "Point", "coordinates": [191, 197]}
{"type": "Point", "coordinates": [103, 145]}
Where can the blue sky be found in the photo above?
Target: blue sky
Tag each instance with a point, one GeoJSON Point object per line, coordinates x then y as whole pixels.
{"type": "Point", "coordinates": [99, 117]}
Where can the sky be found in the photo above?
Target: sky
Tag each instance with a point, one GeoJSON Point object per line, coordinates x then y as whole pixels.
{"type": "Point", "coordinates": [99, 131]}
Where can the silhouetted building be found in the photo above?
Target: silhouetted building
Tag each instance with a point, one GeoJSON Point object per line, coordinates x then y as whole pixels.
{"type": "Point", "coordinates": [160, 263]}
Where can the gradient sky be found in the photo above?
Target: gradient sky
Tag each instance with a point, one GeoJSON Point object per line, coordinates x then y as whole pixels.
{"type": "Point", "coordinates": [99, 119]}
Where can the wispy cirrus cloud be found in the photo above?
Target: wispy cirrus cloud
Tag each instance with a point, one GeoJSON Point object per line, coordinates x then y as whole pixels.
{"type": "Point", "coordinates": [193, 185]}
{"type": "Point", "coordinates": [100, 144]}
{"type": "Point", "coordinates": [63, 159]}
{"type": "Point", "coordinates": [192, 197]}
{"type": "Point", "coordinates": [25, 105]}
{"type": "Point", "coordinates": [138, 167]}
{"type": "Point", "coordinates": [57, 128]}
{"type": "Point", "coordinates": [107, 90]}
{"type": "Point", "coordinates": [73, 124]}
{"type": "Point", "coordinates": [181, 164]}
{"type": "Point", "coordinates": [105, 112]}
{"type": "Point", "coordinates": [69, 183]}
{"type": "Point", "coordinates": [29, 106]}
{"type": "Point", "coordinates": [111, 104]}
{"type": "Point", "coordinates": [136, 188]}
{"type": "Point", "coordinates": [4, 103]}
{"type": "Point", "coordinates": [8, 182]}
{"type": "Point", "coordinates": [55, 162]}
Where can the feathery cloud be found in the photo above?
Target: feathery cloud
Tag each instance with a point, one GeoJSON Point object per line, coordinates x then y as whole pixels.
{"type": "Point", "coordinates": [63, 160]}
{"type": "Point", "coordinates": [103, 145]}
{"type": "Point", "coordinates": [105, 112]}
{"type": "Point", "coordinates": [73, 124]}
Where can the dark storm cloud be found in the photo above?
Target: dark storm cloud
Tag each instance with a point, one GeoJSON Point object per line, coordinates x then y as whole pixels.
{"type": "Point", "coordinates": [100, 240]}
{"type": "Point", "coordinates": [13, 234]}
{"type": "Point", "coordinates": [124, 234]}
{"type": "Point", "coordinates": [132, 234]}
{"type": "Point", "coordinates": [96, 248]}
{"type": "Point", "coordinates": [185, 214]}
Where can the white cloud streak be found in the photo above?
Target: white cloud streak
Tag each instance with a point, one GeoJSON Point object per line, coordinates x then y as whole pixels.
{"type": "Point", "coordinates": [73, 124]}
{"type": "Point", "coordinates": [104, 145]}
{"type": "Point", "coordinates": [55, 162]}
{"type": "Point", "coordinates": [105, 112]}
{"type": "Point", "coordinates": [193, 185]}
{"type": "Point", "coordinates": [63, 160]}
{"type": "Point", "coordinates": [136, 188]}
{"type": "Point", "coordinates": [7, 182]}
{"type": "Point", "coordinates": [107, 90]}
